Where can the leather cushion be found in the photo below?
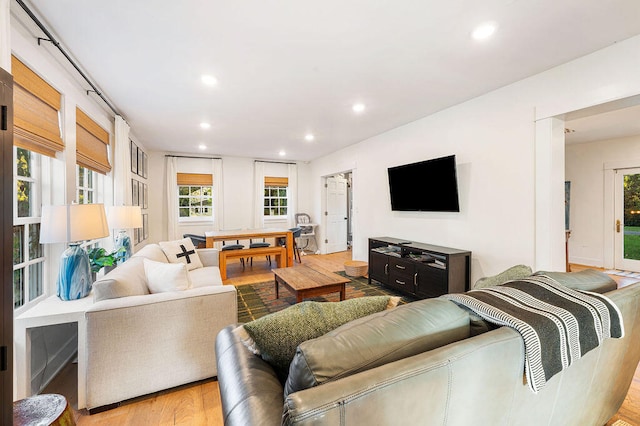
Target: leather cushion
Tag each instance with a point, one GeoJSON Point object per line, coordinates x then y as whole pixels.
{"type": "Point", "coordinates": [376, 340]}
{"type": "Point", "coordinates": [586, 280]}
{"type": "Point", "coordinates": [277, 335]}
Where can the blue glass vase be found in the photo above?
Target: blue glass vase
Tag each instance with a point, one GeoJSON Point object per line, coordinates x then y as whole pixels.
{"type": "Point", "coordinates": [123, 240]}
{"type": "Point", "coordinates": [74, 280]}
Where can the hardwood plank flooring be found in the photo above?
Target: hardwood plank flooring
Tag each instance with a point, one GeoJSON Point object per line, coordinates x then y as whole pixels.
{"type": "Point", "coordinates": [199, 403]}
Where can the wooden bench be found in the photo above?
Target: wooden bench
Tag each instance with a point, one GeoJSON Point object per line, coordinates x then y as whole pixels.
{"type": "Point", "coordinates": [279, 252]}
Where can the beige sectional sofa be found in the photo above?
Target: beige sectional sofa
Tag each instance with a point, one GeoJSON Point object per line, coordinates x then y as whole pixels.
{"type": "Point", "coordinates": [476, 379]}
{"type": "Point", "coordinates": [139, 343]}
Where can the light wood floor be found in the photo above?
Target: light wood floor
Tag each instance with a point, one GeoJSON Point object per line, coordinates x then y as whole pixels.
{"type": "Point", "coordinates": [199, 403]}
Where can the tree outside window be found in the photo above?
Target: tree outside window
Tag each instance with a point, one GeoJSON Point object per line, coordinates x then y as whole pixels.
{"type": "Point", "coordinates": [195, 202]}
{"type": "Point", "coordinates": [275, 201]}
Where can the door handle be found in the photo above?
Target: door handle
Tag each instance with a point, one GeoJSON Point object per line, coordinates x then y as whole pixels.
{"type": "Point", "coordinates": [618, 226]}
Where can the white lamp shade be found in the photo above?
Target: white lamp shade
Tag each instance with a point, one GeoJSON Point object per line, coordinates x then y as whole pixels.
{"type": "Point", "coordinates": [73, 223]}
{"type": "Point", "coordinates": [125, 217]}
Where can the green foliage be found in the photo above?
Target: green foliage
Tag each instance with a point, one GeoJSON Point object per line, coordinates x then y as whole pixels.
{"type": "Point", "coordinates": [632, 200]}
{"type": "Point", "coordinates": [632, 246]}
{"type": "Point", "coordinates": [99, 258]}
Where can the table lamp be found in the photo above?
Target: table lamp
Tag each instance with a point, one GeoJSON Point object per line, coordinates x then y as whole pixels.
{"type": "Point", "coordinates": [73, 224]}
{"type": "Point", "coordinates": [123, 218]}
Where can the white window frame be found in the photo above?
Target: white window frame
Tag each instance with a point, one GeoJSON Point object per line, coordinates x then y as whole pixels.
{"type": "Point", "coordinates": [87, 189]}
{"type": "Point", "coordinates": [36, 193]}
{"type": "Point", "coordinates": [202, 197]}
{"type": "Point", "coordinates": [268, 217]}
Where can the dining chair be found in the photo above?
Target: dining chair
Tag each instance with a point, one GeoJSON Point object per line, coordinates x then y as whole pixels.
{"type": "Point", "coordinates": [236, 246]}
{"type": "Point", "coordinates": [258, 244]}
{"type": "Point", "coordinates": [199, 241]}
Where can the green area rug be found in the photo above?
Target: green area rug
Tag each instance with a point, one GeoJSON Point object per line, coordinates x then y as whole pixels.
{"type": "Point", "coordinates": [258, 300]}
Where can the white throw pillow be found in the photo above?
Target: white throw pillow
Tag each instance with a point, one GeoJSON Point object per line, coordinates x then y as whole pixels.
{"type": "Point", "coordinates": [163, 277]}
{"type": "Point", "coordinates": [182, 251]}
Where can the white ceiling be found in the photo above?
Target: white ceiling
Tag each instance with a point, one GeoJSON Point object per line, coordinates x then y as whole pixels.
{"type": "Point", "coordinates": [614, 124]}
{"type": "Point", "coordinates": [289, 67]}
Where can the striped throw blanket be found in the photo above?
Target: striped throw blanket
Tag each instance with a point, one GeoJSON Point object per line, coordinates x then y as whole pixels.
{"type": "Point", "coordinates": [558, 324]}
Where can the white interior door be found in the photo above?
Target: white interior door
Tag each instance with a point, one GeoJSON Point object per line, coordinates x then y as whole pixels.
{"type": "Point", "coordinates": [336, 235]}
{"type": "Point", "coordinates": [627, 219]}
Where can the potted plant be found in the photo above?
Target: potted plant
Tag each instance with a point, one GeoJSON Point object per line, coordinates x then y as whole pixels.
{"type": "Point", "coordinates": [99, 258]}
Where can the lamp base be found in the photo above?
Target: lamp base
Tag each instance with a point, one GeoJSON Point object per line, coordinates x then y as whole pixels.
{"type": "Point", "coordinates": [74, 279]}
{"type": "Point", "coordinates": [123, 240]}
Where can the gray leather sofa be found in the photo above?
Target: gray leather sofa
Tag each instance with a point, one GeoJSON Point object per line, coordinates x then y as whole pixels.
{"type": "Point", "coordinates": [476, 380]}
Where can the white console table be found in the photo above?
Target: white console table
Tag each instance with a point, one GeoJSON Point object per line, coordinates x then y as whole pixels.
{"type": "Point", "coordinates": [50, 311]}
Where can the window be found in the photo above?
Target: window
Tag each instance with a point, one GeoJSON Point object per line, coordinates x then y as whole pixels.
{"type": "Point", "coordinates": [195, 201]}
{"type": "Point", "coordinates": [195, 196]}
{"type": "Point", "coordinates": [275, 196]}
{"type": "Point", "coordinates": [28, 255]}
{"type": "Point", "coordinates": [85, 185]}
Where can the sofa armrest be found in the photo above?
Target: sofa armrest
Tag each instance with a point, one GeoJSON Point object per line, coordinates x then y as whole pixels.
{"type": "Point", "coordinates": [249, 388]}
{"type": "Point", "coordinates": [138, 345]}
{"type": "Point", "coordinates": [209, 256]}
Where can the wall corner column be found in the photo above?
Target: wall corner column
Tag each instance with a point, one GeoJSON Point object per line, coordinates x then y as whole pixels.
{"type": "Point", "coordinates": [549, 195]}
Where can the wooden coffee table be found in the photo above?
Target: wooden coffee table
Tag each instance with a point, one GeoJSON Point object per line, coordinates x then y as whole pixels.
{"type": "Point", "coordinates": [309, 282]}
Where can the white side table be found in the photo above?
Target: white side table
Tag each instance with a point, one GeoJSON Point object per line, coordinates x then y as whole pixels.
{"type": "Point", "coordinates": [50, 311]}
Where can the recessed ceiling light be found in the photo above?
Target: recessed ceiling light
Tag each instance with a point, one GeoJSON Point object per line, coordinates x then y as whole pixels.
{"type": "Point", "coordinates": [205, 125]}
{"type": "Point", "coordinates": [282, 153]}
{"type": "Point", "coordinates": [358, 108]}
{"type": "Point", "coordinates": [309, 137]}
{"type": "Point", "coordinates": [484, 31]}
{"type": "Point", "coordinates": [202, 147]}
{"type": "Point", "coordinates": [209, 80]}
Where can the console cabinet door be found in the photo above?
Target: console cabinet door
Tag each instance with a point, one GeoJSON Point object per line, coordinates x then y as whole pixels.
{"type": "Point", "coordinates": [430, 281]}
{"type": "Point", "coordinates": [379, 267]}
{"type": "Point", "coordinates": [402, 275]}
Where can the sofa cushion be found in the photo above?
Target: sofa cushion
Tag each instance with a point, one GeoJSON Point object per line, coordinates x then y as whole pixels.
{"type": "Point", "coordinates": [162, 277]}
{"type": "Point", "coordinates": [153, 252]}
{"type": "Point", "coordinates": [277, 335]}
{"type": "Point", "coordinates": [514, 273]}
{"type": "Point", "coordinates": [208, 275]}
{"type": "Point", "coordinates": [586, 280]}
{"type": "Point", "coordinates": [378, 339]}
{"type": "Point", "coordinates": [182, 251]}
{"type": "Point", "coordinates": [128, 279]}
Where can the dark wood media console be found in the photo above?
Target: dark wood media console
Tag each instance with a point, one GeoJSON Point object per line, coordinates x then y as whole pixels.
{"type": "Point", "coordinates": [421, 270]}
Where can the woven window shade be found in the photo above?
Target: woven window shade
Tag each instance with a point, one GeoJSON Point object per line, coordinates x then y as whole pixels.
{"type": "Point", "coordinates": [92, 144]}
{"type": "Point", "coordinates": [195, 179]}
{"type": "Point", "coordinates": [276, 181]}
{"type": "Point", "coordinates": [36, 106]}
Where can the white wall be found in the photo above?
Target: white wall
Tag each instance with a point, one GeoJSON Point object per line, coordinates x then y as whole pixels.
{"type": "Point", "coordinates": [585, 164]}
{"type": "Point", "coordinates": [494, 139]}
{"type": "Point", "coordinates": [53, 347]}
{"type": "Point", "coordinates": [238, 193]}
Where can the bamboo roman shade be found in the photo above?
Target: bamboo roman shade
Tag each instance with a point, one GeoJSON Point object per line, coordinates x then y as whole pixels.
{"type": "Point", "coordinates": [92, 144]}
{"type": "Point", "coordinates": [36, 107]}
{"type": "Point", "coordinates": [276, 181]}
{"type": "Point", "coordinates": [195, 179]}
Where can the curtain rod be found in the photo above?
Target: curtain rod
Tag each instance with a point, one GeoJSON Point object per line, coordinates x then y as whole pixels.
{"type": "Point", "coordinates": [57, 44]}
{"type": "Point", "coordinates": [274, 162]}
{"type": "Point", "coordinates": [188, 156]}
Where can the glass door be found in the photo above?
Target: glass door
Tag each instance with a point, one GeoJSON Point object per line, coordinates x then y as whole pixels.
{"type": "Point", "coordinates": [627, 220]}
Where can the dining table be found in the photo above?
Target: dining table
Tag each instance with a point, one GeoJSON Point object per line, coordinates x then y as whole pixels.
{"type": "Point", "coordinates": [256, 233]}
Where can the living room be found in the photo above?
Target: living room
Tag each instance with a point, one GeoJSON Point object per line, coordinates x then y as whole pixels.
{"type": "Point", "coordinates": [508, 141]}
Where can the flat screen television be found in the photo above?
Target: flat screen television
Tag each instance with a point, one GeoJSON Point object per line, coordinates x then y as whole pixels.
{"type": "Point", "coordinates": [426, 186]}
